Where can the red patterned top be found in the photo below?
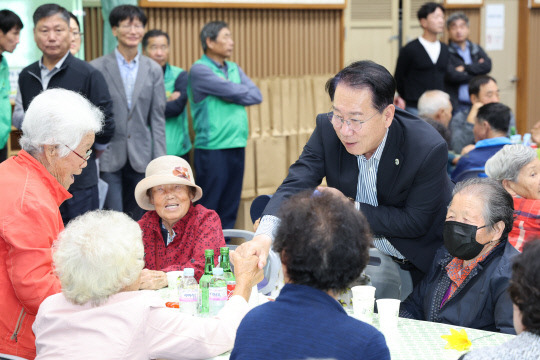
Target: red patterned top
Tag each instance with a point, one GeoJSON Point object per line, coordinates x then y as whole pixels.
{"type": "Point", "coordinates": [457, 273]}
{"type": "Point", "coordinates": [526, 222]}
{"type": "Point", "coordinates": [198, 230]}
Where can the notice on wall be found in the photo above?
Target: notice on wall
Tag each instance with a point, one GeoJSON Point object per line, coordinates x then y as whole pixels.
{"type": "Point", "coordinates": [494, 27]}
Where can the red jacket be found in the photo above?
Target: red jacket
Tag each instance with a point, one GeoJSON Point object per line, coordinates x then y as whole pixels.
{"type": "Point", "coordinates": [198, 230]}
{"type": "Point", "coordinates": [29, 223]}
{"type": "Point", "coordinates": [526, 222]}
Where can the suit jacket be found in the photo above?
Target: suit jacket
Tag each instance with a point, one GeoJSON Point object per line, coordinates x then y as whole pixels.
{"type": "Point", "coordinates": [413, 188]}
{"type": "Point", "coordinates": [140, 131]}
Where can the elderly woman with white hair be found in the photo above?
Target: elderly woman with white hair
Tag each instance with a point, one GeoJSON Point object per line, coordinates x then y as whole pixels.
{"type": "Point", "coordinates": [99, 258]}
{"type": "Point", "coordinates": [517, 167]}
{"type": "Point", "coordinates": [58, 133]}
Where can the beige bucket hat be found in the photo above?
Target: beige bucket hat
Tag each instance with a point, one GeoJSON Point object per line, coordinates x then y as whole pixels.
{"type": "Point", "coordinates": [165, 170]}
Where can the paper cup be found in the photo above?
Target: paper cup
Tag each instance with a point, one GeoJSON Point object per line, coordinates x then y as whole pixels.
{"type": "Point", "coordinates": [172, 277]}
{"type": "Point", "coordinates": [363, 309]}
{"type": "Point", "coordinates": [388, 314]}
{"type": "Point", "coordinates": [363, 292]}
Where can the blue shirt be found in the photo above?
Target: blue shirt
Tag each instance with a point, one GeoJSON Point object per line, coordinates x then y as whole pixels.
{"type": "Point", "coordinates": [476, 158]}
{"type": "Point", "coordinates": [128, 72]}
{"type": "Point", "coordinates": [303, 323]}
{"type": "Point", "coordinates": [463, 92]}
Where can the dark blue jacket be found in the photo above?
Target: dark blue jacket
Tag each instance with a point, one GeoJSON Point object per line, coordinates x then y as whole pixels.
{"type": "Point", "coordinates": [477, 157]}
{"type": "Point", "coordinates": [481, 302]}
{"type": "Point", "coordinates": [303, 323]}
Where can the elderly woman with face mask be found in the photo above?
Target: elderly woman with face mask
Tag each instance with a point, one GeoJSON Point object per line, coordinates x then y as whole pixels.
{"type": "Point", "coordinates": [58, 133]}
{"type": "Point", "coordinates": [467, 282]}
{"type": "Point", "coordinates": [175, 232]}
{"type": "Point", "coordinates": [517, 167]}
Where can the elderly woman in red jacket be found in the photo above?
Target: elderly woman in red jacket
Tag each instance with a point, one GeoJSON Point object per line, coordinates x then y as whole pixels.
{"type": "Point", "coordinates": [517, 167]}
{"type": "Point", "coordinates": [175, 232]}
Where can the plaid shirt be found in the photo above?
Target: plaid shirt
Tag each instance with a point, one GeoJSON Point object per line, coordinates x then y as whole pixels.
{"type": "Point", "coordinates": [457, 273]}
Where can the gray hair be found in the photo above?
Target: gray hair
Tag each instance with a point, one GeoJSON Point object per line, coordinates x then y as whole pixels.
{"type": "Point", "coordinates": [508, 162]}
{"type": "Point", "coordinates": [431, 102]}
{"type": "Point", "coordinates": [456, 16]}
{"type": "Point", "coordinates": [211, 30]}
{"type": "Point", "coordinates": [58, 117]}
{"type": "Point", "coordinates": [97, 255]}
{"type": "Point", "coordinates": [498, 203]}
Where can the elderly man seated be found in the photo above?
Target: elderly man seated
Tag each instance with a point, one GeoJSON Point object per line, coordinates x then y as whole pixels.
{"type": "Point", "coordinates": [468, 280]}
{"type": "Point", "coordinates": [490, 131]}
{"type": "Point", "coordinates": [323, 243]}
{"type": "Point", "coordinates": [517, 167]}
{"type": "Point", "coordinates": [100, 313]}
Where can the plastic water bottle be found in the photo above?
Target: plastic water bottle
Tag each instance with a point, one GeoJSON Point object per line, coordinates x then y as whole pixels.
{"type": "Point", "coordinates": [189, 293]}
{"type": "Point", "coordinates": [217, 292]}
{"type": "Point", "coordinates": [204, 282]}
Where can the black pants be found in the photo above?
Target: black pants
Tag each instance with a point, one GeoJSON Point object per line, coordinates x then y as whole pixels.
{"type": "Point", "coordinates": [82, 201]}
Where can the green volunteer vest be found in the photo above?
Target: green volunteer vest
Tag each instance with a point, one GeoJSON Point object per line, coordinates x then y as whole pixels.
{"type": "Point", "coordinates": [218, 124]}
{"type": "Point", "coordinates": [176, 127]}
{"type": "Point", "coordinates": [5, 105]}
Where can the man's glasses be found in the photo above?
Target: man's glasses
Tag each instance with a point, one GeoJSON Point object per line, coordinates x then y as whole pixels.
{"type": "Point", "coordinates": [77, 34]}
{"type": "Point", "coordinates": [85, 157]}
{"type": "Point", "coordinates": [353, 124]}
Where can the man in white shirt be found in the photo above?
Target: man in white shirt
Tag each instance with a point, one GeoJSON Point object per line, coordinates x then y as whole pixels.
{"type": "Point", "coordinates": [422, 63]}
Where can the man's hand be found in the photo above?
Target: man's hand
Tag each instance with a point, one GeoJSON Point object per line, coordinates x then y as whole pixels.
{"type": "Point", "coordinates": [246, 272]}
{"type": "Point", "coordinates": [175, 95]}
{"type": "Point", "coordinates": [467, 149]}
{"type": "Point", "coordinates": [152, 279]}
{"type": "Point", "coordinates": [258, 246]}
{"type": "Point", "coordinates": [471, 118]}
{"type": "Point", "coordinates": [481, 60]}
{"type": "Point", "coordinates": [460, 68]}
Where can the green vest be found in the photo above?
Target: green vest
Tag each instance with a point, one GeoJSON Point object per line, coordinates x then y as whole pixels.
{"type": "Point", "coordinates": [5, 105]}
{"type": "Point", "coordinates": [218, 124]}
{"type": "Point", "coordinates": [176, 128]}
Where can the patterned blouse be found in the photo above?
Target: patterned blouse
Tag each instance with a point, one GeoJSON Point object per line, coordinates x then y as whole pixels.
{"type": "Point", "coordinates": [526, 222]}
{"type": "Point", "coordinates": [198, 230]}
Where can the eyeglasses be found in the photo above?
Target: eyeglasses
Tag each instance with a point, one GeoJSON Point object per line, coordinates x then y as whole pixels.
{"type": "Point", "coordinates": [85, 157]}
{"type": "Point", "coordinates": [353, 124]}
{"type": "Point", "coordinates": [131, 26]}
{"type": "Point", "coordinates": [77, 34]}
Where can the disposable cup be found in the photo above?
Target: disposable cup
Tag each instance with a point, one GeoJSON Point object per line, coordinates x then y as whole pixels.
{"type": "Point", "coordinates": [388, 314]}
{"type": "Point", "coordinates": [363, 309]}
{"type": "Point", "coordinates": [363, 292]}
{"type": "Point", "coordinates": [172, 277]}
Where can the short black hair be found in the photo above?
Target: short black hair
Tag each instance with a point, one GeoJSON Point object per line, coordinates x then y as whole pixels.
{"type": "Point", "coordinates": [76, 20]}
{"type": "Point", "coordinates": [47, 10]}
{"type": "Point", "coordinates": [323, 241]}
{"type": "Point", "coordinates": [366, 74]}
{"type": "Point", "coordinates": [9, 20]}
{"type": "Point", "coordinates": [154, 33]}
{"type": "Point", "coordinates": [428, 8]}
{"type": "Point", "coordinates": [496, 114]}
{"type": "Point", "coordinates": [524, 285]}
{"type": "Point", "coordinates": [477, 82]}
{"type": "Point", "coordinates": [211, 30]}
{"type": "Point", "coordinates": [123, 12]}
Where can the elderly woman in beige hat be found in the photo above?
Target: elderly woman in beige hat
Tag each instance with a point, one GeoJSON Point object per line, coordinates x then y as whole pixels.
{"type": "Point", "coordinates": [175, 232]}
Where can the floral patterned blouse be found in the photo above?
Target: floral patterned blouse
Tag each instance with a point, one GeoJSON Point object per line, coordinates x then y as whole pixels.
{"type": "Point", "coordinates": [198, 230]}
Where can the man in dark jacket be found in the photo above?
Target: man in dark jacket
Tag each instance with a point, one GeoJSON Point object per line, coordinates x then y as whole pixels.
{"type": "Point", "coordinates": [59, 69]}
{"type": "Point", "coordinates": [466, 61]}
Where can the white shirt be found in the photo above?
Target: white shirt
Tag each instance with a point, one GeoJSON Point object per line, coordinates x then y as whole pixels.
{"type": "Point", "coordinates": [432, 48]}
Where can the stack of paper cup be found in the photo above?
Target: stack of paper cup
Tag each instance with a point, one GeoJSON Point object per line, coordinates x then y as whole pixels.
{"type": "Point", "coordinates": [363, 300]}
{"type": "Point", "coordinates": [388, 314]}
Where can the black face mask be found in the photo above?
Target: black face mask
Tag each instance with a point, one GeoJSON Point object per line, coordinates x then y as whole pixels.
{"type": "Point", "coordinates": [460, 240]}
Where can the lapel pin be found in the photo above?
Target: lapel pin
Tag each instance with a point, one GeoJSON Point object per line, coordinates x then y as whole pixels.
{"type": "Point", "coordinates": [397, 161]}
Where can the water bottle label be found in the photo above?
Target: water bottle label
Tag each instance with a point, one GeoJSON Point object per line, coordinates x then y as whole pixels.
{"type": "Point", "coordinates": [217, 294]}
{"type": "Point", "coordinates": [230, 289]}
{"type": "Point", "coordinates": [189, 295]}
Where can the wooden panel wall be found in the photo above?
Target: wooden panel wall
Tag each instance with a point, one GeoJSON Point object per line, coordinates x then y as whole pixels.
{"type": "Point", "coordinates": [93, 33]}
{"type": "Point", "coordinates": [268, 42]}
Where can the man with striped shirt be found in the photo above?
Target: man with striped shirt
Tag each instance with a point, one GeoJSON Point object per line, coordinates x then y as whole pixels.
{"type": "Point", "coordinates": [389, 162]}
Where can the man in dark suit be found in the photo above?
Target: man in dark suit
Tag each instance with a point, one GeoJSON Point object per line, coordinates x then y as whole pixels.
{"type": "Point", "coordinates": [422, 63]}
{"type": "Point", "coordinates": [391, 163]}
